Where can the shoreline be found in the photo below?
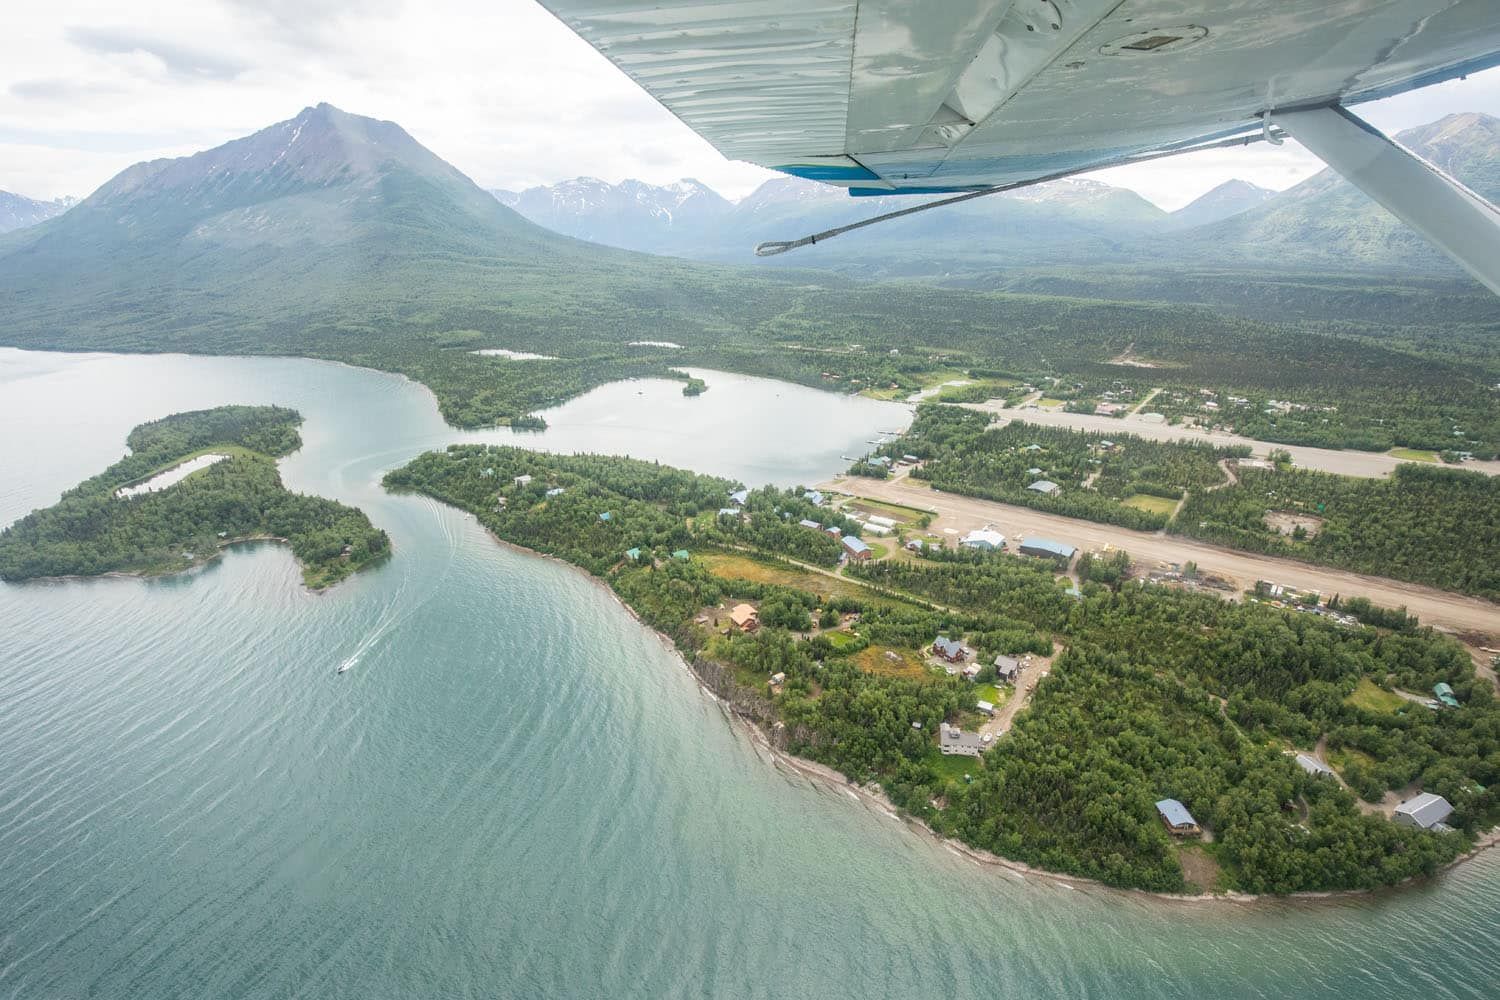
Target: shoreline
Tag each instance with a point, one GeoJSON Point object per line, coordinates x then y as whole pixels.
{"type": "Point", "coordinates": [198, 564]}
{"type": "Point", "coordinates": [824, 775]}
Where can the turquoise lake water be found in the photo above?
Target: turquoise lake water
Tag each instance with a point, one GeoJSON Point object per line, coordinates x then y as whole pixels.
{"type": "Point", "coordinates": [516, 791]}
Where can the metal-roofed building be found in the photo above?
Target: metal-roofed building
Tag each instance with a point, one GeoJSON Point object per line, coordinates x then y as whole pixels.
{"type": "Point", "coordinates": [987, 539]}
{"type": "Point", "coordinates": [855, 548]}
{"type": "Point", "coordinates": [1424, 811]}
{"type": "Point", "coordinates": [953, 740]}
{"type": "Point", "coordinates": [949, 649]}
{"type": "Point", "coordinates": [1444, 693]}
{"type": "Point", "coordinates": [1007, 668]}
{"type": "Point", "coordinates": [1046, 549]}
{"type": "Point", "coordinates": [1177, 818]}
{"type": "Point", "coordinates": [1314, 766]}
{"type": "Point", "coordinates": [1046, 487]}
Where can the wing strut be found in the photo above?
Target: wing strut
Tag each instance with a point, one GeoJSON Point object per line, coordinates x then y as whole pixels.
{"type": "Point", "coordinates": [774, 247]}
{"type": "Point", "coordinates": [1462, 223]}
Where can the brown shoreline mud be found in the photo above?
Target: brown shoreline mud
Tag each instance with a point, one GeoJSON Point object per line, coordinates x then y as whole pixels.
{"type": "Point", "coordinates": [872, 796]}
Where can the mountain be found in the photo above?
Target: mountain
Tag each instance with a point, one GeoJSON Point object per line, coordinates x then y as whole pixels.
{"type": "Point", "coordinates": [1327, 222]}
{"type": "Point", "coordinates": [633, 214]}
{"type": "Point", "coordinates": [687, 219]}
{"type": "Point", "coordinates": [18, 211]}
{"type": "Point", "coordinates": [1230, 198]}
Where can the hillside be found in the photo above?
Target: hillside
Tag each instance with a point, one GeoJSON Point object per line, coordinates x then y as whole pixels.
{"type": "Point", "coordinates": [336, 236]}
{"type": "Point", "coordinates": [18, 211]}
{"type": "Point", "coordinates": [1228, 199]}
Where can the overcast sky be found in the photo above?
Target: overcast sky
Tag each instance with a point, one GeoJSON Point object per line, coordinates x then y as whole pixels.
{"type": "Point", "coordinates": [497, 87]}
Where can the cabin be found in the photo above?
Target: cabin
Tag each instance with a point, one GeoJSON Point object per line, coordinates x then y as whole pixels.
{"type": "Point", "coordinates": [1046, 487]}
{"type": "Point", "coordinates": [522, 480]}
{"type": "Point", "coordinates": [856, 549]}
{"type": "Point", "coordinates": [954, 741]}
{"type": "Point", "coordinates": [833, 532]}
{"type": "Point", "coordinates": [1007, 668]}
{"type": "Point", "coordinates": [1424, 812]}
{"type": "Point", "coordinates": [949, 649]}
{"type": "Point", "coordinates": [985, 708]}
{"type": "Point", "coordinates": [807, 523]}
{"type": "Point", "coordinates": [813, 497]}
{"type": "Point", "coordinates": [744, 617]}
{"type": "Point", "coordinates": [1179, 822]}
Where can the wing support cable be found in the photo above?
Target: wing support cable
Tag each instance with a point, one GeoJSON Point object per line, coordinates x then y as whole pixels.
{"type": "Point", "coordinates": [774, 247]}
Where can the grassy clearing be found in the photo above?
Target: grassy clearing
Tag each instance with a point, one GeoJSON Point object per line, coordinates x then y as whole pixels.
{"type": "Point", "coordinates": [988, 388]}
{"type": "Point", "coordinates": [897, 511]}
{"type": "Point", "coordinates": [1341, 759]}
{"type": "Point", "coordinates": [951, 768]}
{"type": "Point", "coordinates": [839, 639]}
{"type": "Point", "coordinates": [1413, 455]}
{"type": "Point", "coordinates": [1048, 403]}
{"type": "Point", "coordinates": [1150, 504]}
{"type": "Point", "coordinates": [1368, 696]}
{"type": "Point", "coordinates": [996, 696]}
{"type": "Point", "coordinates": [732, 566]}
{"type": "Point", "coordinates": [873, 660]}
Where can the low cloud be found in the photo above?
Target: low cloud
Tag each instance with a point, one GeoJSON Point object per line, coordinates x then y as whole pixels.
{"type": "Point", "coordinates": [59, 89]}
{"type": "Point", "coordinates": [182, 61]}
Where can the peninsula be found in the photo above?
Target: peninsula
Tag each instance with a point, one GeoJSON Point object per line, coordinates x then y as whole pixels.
{"type": "Point", "coordinates": [1086, 723]}
{"type": "Point", "coordinates": [192, 484]}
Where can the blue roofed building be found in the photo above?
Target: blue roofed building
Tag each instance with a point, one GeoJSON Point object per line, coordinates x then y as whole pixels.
{"type": "Point", "coordinates": [1177, 818]}
{"type": "Point", "coordinates": [856, 549]}
{"type": "Point", "coordinates": [739, 497]}
{"type": "Point", "coordinates": [813, 497]}
{"type": "Point", "coordinates": [1044, 548]}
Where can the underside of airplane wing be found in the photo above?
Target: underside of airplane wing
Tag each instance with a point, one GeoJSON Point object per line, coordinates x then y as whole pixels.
{"type": "Point", "coordinates": [893, 96]}
{"type": "Point", "coordinates": [924, 95]}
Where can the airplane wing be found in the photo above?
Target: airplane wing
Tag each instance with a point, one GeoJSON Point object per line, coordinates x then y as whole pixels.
{"type": "Point", "coordinates": [886, 96]}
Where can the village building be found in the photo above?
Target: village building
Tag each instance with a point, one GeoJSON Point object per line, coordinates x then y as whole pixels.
{"type": "Point", "coordinates": [971, 672]}
{"type": "Point", "coordinates": [1046, 487]}
{"type": "Point", "coordinates": [1033, 472]}
{"type": "Point", "coordinates": [1178, 821]}
{"type": "Point", "coordinates": [682, 555]}
{"type": "Point", "coordinates": [739, 497]}
{"type": "Point", "coordinates": [1444, 694]}
{"type": "Point", "coordinates": [1044, 548]}
{"type": "Point", "coordinates": [984, 707]}
{"type": "Point", "coordinates": [915, 545]}
{"type": "Point", "coordinates": [856, 549]}
{"type": "Point", "coordinates": [606, 516]}
{"type": "Point", "coordinates": [744, 617]}
{"type": "Point", "coordinates": [833, 532]}
{"type": "Point", "coordinates": [778, 679]}
{"type": "Point", "coordinates": [1108, 409]}
{"type": "Point", "coordinates": [814, 525]}
{"type": "Point", "coordinates": [522, 480]}
{"type": "Point", "coordinates": [1007, 668]}
{"type": "Point", "coordinates": [954, 741]}
{"type": "Point", "coordinates": [911, 459]}
{"type": "Point", "coordinates": [633, 555]}
{"type": "Point", "coordinates": [884, 522]}
{"type": "Point", "coordinates": [987, 539]}
{"type": "Point", "coordinates": [1425, 812]}
{"type": "Point", "coordinates": [949, 649]}
{"type": "Point", "coordinates": [729, 512]}
{"type": "Point", "coordinates": [813, 497]}
{"type": "Point", "coordinates": [556, 491]}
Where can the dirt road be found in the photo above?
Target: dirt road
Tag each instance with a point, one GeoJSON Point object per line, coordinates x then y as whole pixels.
{"type": "Point", "coordinates": [1368, 464]}
{"type": "Point", "coordinates": [962, 514]}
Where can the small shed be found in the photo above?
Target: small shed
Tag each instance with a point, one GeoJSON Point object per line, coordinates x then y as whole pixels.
{"type": "Point", "coordinates": [682, 555]}
{"type": "Point", "coordinates": [985, 707]}
{"type": "Point", "coordinates": [633, 555]}
{"type": "Point", "coordinates": [1314, 766]}
{"type": "Point", "coordinates": [807, 523]}
{"type": "Point", "coordinates": [1444, 694]}
{"type": "Point", "coordinates": [1177, 819]}
{"type": "Point", "coordinates": [606, 516]}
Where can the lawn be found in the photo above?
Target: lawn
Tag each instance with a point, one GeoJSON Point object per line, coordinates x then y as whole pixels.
{"type": "Point", "coordinates": [839, 639]}
{"type": "Point", "coordinates": [1150, 504]}
{"type": "Point", "coordinates": [1413, 455]}
{"type": "Point", "coordinates": [996, 696]}
{"type": "Point", "coordinates": [989, 388]}
{"type": "Point", "coordinates": [1371, 698]}
{"type": "Point", "coordinates": [951, 768]}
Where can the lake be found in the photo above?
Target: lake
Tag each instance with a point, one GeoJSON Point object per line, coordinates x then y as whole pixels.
{"type": "Point", "coordinates": [516, 790]}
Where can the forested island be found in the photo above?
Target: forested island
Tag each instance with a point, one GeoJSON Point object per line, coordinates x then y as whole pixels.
{"type": "Point", "coordinates": [1148, 693]}
{"type": "Point", "coordinates": [134, 518]}
{"type": "Point", "coordinates": [1427, 524]}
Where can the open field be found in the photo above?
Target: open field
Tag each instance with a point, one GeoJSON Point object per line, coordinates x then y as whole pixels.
{"type": "Point", "coordinates": [731, 566]}
{"type": "Point", "coordinates": [874, 660]}
{"type": "Point", "coordinates": [1155, 505]}
{"type": "Point", "coordinates": [959, 514]}
{"type": "Point", "coordinates": [1374, 699]}
{"type": "Point", "coordinates": [1413, 455]}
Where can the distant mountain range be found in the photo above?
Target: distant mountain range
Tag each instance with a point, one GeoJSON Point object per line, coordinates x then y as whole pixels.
{"type": "Point", "coordinates": [18, 211]}
{"type": "Point", "coordinates": [1323, 222]}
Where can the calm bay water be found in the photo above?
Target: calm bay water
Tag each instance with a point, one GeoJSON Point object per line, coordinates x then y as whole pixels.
{"type": "Point", "coordinates": [516, 791]}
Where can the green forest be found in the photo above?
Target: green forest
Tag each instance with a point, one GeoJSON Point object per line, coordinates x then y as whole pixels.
{"type": "Point", "coordinates": [91, 530]}
{"type": "Point", "coordinates": [1426, 524]}
{"type": "Point", "coordinates": [963, 452]}
{"type": "Point", "coordinates": [1153, 692]}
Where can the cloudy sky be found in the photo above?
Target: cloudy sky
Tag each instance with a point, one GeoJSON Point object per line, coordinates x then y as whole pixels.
{"type": "Point", "coordinates": [497, 87]}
